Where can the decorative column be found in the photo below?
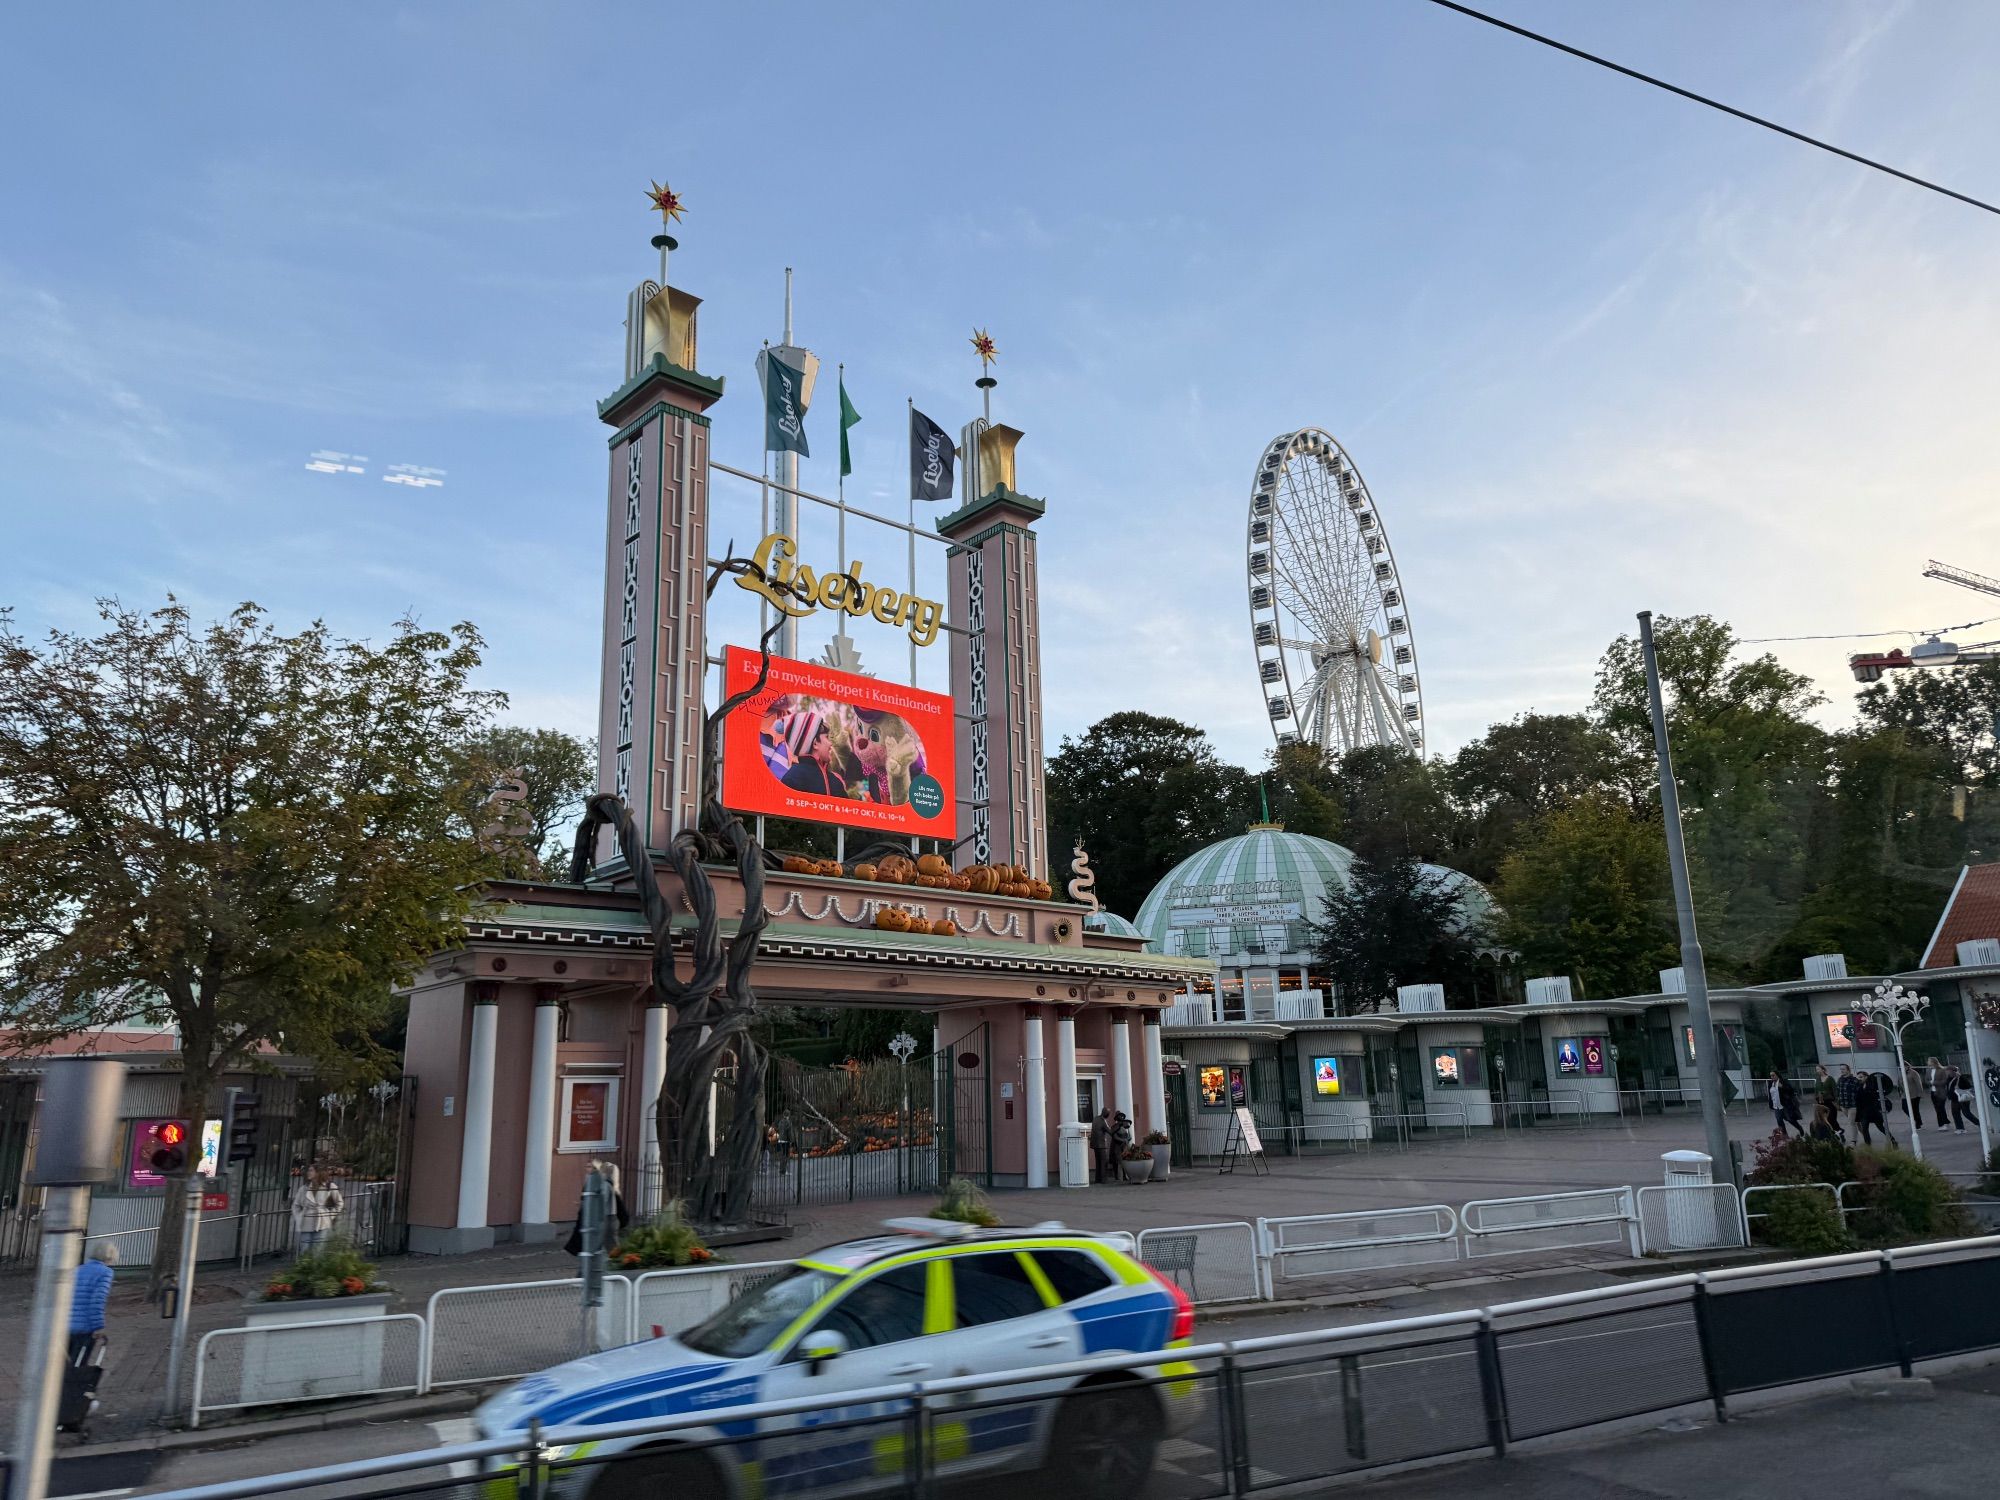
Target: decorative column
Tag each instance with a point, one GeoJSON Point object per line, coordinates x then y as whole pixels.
{"type": "Point", "coordinates": [1066, 1065]}
{"type": "Point", "coordinates": [539, 1159]}
{"type": "Point", "coordinates": [996, 658]}
{"type": "Point", "coordinates": [1121, 1071]}
{"type": "Point", "coordinates": [1035, 1107]}
{"type": "Point", "coordinates": [650, 705]}
{"type": "Point", "coordinates": [475, 1160]}
{"type": "Point", "coordinates": [652, 1079]}
{"type": "Point", "coordinates": [1156, 1075]}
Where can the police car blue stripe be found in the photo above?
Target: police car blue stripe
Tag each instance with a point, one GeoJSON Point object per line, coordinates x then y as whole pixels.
{"type": "Point", "coordinates": [1136, 1323]}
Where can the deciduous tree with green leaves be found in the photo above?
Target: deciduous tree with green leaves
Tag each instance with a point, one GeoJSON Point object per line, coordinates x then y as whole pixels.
{"type": "Point", "coordinates": [557, 772]}
{"type": "Point", "coordinates": [252, 834]}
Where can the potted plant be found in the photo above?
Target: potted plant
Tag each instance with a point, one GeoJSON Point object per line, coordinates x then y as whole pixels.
{"type": "Point", "coordinates": [665, 1244]}
{"type": "Point", "coordinates": [962, 1203]}
{"type": "Point", "coordinates": [1138, 1163]}
{"type": "Point", "coordinates": [1163, 1153]}
{"type": "Point", "coordinates": [330, 1283]}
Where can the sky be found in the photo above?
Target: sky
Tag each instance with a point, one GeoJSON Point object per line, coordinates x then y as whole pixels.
{"type": "Point", "coordinates": [1593, 348]}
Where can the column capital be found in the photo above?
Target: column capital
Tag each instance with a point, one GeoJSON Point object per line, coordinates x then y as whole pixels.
{"type": "Point", "coordinates": [548, 994]}
{"type": "Point", "coordinates": [485, 992]}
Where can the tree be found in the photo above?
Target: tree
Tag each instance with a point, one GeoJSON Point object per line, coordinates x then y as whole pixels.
{"type": "Point", "coordinates": [1955, 710]}
{"type": "Point", "coordinates": [255, 835]}
{"type": "Point", "coordinates": [1393, 805]}
{"type": "Point", "coordinates": [557, 771]}
{"type": "Point", "coordinates": [1518, 771]}
{"type": "Point", "coordinates": [1395, 924]}
{"type": "Point", "coordinates": [1303, 789]}
{"type": "Point", "coordinates": [1585, 894]}
{"type": "Point", "coordinates": [1143, 793]}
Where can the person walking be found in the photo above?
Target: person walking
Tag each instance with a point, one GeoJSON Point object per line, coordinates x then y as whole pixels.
{"type": "Point", "coordinates": [316, 1203]}
{"type": "Point", "coordinates": [1871, 1105]}
{"type": "Point", "coordinates": [86, 1307]}
{"type": "Point", "coordinates": [1100, 1146]}
{"type": "Point", "coordinates": [1825, 1125]}
{"type": "Point", "coordinates": [1847, 1095]}
{"type": "Point", "coordinates": [1962, 1101]}
{"type": "Point", "coordinates": [615, 1213]}
{"type": "Point", "coordinates": [1785, 1105]}
{"type": "Point", "coordinates": [1937, 1083]}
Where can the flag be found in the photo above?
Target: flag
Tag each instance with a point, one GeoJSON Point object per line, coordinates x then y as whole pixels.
{"type": "Point", "coordinates": [931, 455]}
{"type": "Point", "coordinates": [787, 388]}
{"type": "Point", "coordinates": [848, 417]}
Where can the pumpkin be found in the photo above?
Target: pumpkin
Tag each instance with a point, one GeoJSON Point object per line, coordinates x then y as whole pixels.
{"type": "Point", "coordinates": [865, 871]}
{"type": "Point", "coordinates": [1042, 890]}
{"type": "Point", "coordinates": [961, 881]}
{"type": "Point", "coordinates": [919, 926]}
{"type": "Point", "coordinates": [983, 879]}
{"type": "Point", "coordinates": [933, 864]}
{"type": "Point", "coordinates": [891, 874]}
{"type": "Point", "coordinates": [944, 927]}
{"type": "Point", "coordinates": [831, 867]}
{"type": "Point", "coordinates": [798, 864]}
{"type": "Point", "coordinates": [892, 919]}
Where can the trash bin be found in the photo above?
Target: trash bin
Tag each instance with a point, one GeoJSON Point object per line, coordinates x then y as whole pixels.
{"type": "Point", "coordinates": [1073, 1163]}
{"type": "Point", "coordinates": [1690, 1195]}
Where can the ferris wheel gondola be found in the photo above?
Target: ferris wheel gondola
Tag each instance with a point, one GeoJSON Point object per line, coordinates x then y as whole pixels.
{"type": "Point", "coordinates": [1329, 618]}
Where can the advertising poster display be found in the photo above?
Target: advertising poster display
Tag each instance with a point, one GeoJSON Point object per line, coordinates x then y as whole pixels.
{"type": "Point", "coordinates": [835, 747]}
{"type": "Point", "coordinates": [1326, 1077]}
{"type": "Point", "coordinates": [1214, 1084]}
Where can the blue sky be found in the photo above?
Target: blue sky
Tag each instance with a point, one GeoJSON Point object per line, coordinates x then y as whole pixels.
{"type": "Point", "coordinates": [1594, 349]}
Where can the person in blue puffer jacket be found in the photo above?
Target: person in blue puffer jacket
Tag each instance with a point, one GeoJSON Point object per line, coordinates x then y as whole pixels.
{"type": "Point", "coordinates": [86, 1306]}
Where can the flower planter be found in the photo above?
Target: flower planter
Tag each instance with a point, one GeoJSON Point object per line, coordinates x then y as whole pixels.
{"type": "Point", "coordinates": [344, 1360]}
{"type": "Point", "coordinates": [1137, 1171]}
{"type": "Point", "coordinates": [1163, 1162]}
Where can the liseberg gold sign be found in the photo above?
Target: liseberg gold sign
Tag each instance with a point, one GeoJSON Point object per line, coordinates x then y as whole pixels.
{"type": "Point", "coordinates": [795, 589]}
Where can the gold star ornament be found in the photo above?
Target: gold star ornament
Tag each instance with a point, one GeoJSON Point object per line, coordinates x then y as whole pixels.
{"type": "Point", "coordinates": [983, 342]}
{"type": "Point", "coordinates": [667, 201]}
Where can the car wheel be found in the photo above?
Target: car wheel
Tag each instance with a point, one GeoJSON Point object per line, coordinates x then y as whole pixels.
{"type": "Point", "coordinates": [1105, 1441]}
{"type": "Point", "coordinates": [661, 1474]}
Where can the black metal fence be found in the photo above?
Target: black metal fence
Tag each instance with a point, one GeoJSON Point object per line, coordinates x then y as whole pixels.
{"type": "Point", "coordinates": [1237, 1419]}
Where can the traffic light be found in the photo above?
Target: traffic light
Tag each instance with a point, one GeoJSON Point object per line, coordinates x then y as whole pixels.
{"type": "Point", "coordinates": [239, 1135]}
{"type": "Point", "coordinates": [169, 1156]}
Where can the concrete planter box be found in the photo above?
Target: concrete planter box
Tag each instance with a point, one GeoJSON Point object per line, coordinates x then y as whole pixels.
{"type": "Point", "coordinates": [1137, 1171]}
{"type": "Point", "coordinates": [342, 1361]}
{"type": "Point", "coordinates": [1163, 1162]}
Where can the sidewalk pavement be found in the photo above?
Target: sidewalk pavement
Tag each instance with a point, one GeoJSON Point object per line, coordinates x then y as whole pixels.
{"type": "Point", "coordinates": [1542, 1159]}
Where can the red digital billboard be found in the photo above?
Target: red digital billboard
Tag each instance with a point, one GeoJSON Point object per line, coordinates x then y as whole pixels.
{"type": "Point", "coordinates": [835, 747]}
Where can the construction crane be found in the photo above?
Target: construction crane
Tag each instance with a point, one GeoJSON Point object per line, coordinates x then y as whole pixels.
{"type": "Point", "coordinates": [1933, 652]}
{"type": "Point", "coordinates": [1978, 582]}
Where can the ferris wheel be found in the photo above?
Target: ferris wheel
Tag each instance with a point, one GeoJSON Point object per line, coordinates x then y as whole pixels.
{"type": "Point", "coordinates": [1328, 618]}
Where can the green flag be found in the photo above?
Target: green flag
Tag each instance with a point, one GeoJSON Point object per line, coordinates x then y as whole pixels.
{"type": "Point", "coordinates": [848, 417]}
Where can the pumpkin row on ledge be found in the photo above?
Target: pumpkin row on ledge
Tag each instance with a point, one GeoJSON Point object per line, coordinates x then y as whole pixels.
{"type": "Point", "coordinates": [932, 872]}
{"type": "Point", "coordinates": [902, 919]}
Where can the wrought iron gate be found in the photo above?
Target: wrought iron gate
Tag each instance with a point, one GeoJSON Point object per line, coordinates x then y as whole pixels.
{"type": "Point", "coordinates": [863, 1130]}
{"type": "Point", "coordinates": [963, 1070]}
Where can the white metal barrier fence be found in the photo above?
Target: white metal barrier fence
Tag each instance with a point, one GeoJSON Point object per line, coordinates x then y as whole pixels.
{"type": "Point", "coordinates": [1210, 1262]}
{"type": "Point", "coordinates": [492, 1332]}
{"type": "Point", "coordinates": [1331, 1244]}
{"type": "Point", "coordinates": [1696, 1216]}
{"type": "Point", "coordinates": [665, 1303]}
{"type": "Point", "coordinates": [286, 1362]}
{"type": "Point", "coordinates": [1550, 1221]}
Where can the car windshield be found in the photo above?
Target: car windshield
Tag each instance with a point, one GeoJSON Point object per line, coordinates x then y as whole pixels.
{"type": "Point", "coordinates": [757, 1316]}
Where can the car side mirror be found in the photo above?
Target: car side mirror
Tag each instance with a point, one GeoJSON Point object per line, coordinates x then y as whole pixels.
{"type": "Point", "coordinates": [820, 1346]}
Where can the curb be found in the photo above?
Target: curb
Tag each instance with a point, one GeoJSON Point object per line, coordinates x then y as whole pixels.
{"type": "Point", "coordinates": [242, 1430]}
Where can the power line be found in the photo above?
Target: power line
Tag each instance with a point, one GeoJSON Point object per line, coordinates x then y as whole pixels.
{"type": "Point", "coordinates": [1861, 635]}
{"type": "Point", "coordinates": [1727, 109]}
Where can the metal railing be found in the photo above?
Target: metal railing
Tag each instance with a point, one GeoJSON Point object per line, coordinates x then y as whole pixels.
{"type": "Point", "coordinates": [1285, 1408]}
{"type": "Point", "coordinates": [278, 1364]}
{"type": "Point", "coordinates": [495, 1332]}
{"type": "Point", "coordinates": [1212, 1263]}
{"type": "Point", "coordinates": [1331, 1244]}
{"type": "Point", "coordinates": [1690, 1216]}
{"type": "Point", "coordinates": [1550, 1221]}
{"type": "Point", "coordinates": [668, 1302]}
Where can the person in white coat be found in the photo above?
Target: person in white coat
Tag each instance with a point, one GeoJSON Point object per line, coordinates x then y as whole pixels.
{"type": "Point", "coordinates": [316, 1203]}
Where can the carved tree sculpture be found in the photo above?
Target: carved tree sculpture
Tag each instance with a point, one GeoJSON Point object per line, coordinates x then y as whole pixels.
{"type": "Point", "coordinates": [714, 1005]}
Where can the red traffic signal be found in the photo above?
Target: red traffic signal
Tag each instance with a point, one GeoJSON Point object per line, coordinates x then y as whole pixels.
{"type": "Point", "coordinates": [168, 1157]}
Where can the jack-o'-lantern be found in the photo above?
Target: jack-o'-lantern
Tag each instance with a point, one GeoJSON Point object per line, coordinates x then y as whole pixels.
{"type": "Point", "coordinates": [866, 870]}
{"type": "Point", "coordinates": [1041, 890]}
{"type": "Point", "coordinates": [983, 879]}
{"type": "Point", "coordinates": [892, 919]}
{"type": "Point", "coordinates": [919, 926]}
{"type": "Point", "coordinates": [944, 927]}
{"type": "Point", "coordinates": [933, 864]}
{"type": "Point", "coordinates": [961, 881]}
{"type": "Point", "coordinates": [798, 864]}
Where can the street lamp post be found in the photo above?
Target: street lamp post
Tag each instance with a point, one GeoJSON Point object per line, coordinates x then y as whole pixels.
{"type": "Point", "coordinates": [1894, 1009]}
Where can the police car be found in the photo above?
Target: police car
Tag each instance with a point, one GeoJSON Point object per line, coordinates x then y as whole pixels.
{"type": "Point", "coordinates": [927, 1301]}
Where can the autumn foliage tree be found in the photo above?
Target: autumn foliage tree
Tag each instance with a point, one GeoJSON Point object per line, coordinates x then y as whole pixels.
{"type": "Point", "coordinates": [250, 834]}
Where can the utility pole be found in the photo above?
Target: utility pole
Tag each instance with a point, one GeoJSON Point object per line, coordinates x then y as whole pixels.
{"type": "Point", "coordinates": [1708, 1075]}
{"type": "Point", "coordinates": [75, 1149]}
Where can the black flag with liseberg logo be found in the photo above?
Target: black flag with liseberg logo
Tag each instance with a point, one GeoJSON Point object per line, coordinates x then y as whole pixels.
{"type": "Point", "coordinates": [931, 455]}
